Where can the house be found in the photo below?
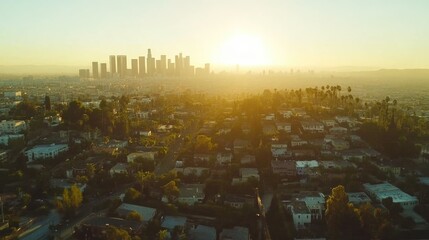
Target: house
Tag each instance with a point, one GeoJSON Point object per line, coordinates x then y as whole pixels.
{"type": "Point", "coordinates": [13, 126]}
{"type": "Point", "coordinates": [5, 139]}
{"type": "Point", "coordinates": [170, 223]}
{"type": "Point", "coordinates": [284, 127]}
{"type": "Point", "coordinates": [342, 119]}
{"type": "Point", "coordinates": [62, 184]}
{"type": "Point", "coordinates": [239, 201]}
{"type": "Point", "coordinates": [119, 168]}
{"type": "Point", "coordinates": [224, 158]}
{"type": "Point", "coordinates": [338, 131]}
{"type": "Point", "coordinates": [358, 198]}
{"type": "Point", "coordinates": [301, 215]}
{"type": "Point", "coordinates": [248, 159]}
{"type": "Point", "coordinates": [143, 114]}
{"type": "Point", "coordinates": [235, 233]}
{"type": "Point", "coordinates": [304, 167]}
{"type": "Point", "coordinates": [285, 113]}
{"type": "Point", "coordinates": [388, 168]}
{"type": "Point", "coordinates": [269, 129]}
{"type": "Point", "coordinates": [329, 122]}
{"type": "Point", "coordinates": [286, 168]}
{"type": "Point", "coordinates": [202, 232]}
{"type": "Point", "coordinates": [96, 227]}
{"type": "Point", "coordinates": [303, 153]}
{"type": "Point", "coordinates": [339, 144]}
{"type": "Point", "coordinates": [197, 171]}
{"type": "Point", "coordinates": [246, 173]}
{"type": "Point", "coordinates": [191, 193]}
{"type": "Point", "coordinates": [298, 142]}
{"type": "Point", "coordinates": [39, 152]}
{"type": "Point", "coordinates": [201, 157]}
{"type": "Point", "coordinates": [241, 146]}
{"type": "Point", "coordinates": [144, 155]}
{"type": "Point", "coordinates": [146, 213]}
{"type": "Point", "coordinates": [315, 202]}
{"type": "Point", "coordinates": [312, 126]}
{"type": "Point", "coordinates": [279, 150]}
{"type": "Point", "coordinates": [145, 133]}
{"type": "Point", "coordinates": [385, 190]}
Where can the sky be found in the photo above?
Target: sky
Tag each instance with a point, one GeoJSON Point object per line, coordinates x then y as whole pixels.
{"type": "Point", "coordinates": [285, 33]}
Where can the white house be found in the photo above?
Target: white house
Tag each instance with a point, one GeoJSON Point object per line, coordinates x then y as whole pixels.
{"type": "Point", "coordinates": [12, 126]}
{"type": "Point", "coordinates": [303, 167]}
{"type": "Point", "coordinates": [119, 168]}
{"type": "Point", "coordinates": [279, 150]}
{"type": "Point", "coordinates": [284, 127]}
{"type": "Point", "coordinates": [191, 193]}
{"type": "Point", "coordinates": [385, 190]}
{"type": "Point", "coordinates": [339, 144]}
{"type": "Point", "coordinates": [312, 126]}
{"type": "Point", "coordinates": [338, 130]}
{"type": "Point", "coordinates": [146, 213]}
{"type": "Point", "coordinates": [45, 151]}
{"type": "Point", "coordinates": [301, 215]}
{"type": "Point", "coordinates": [315, 202]}
{"type": "Point", "coordinates": [328, 122]}
{"type": "Point", "coordinates": [143, 115]}
{"type": "Point", "coordinates": [4, 139]}
{"type": "Point", "coordinates": [224, 158]}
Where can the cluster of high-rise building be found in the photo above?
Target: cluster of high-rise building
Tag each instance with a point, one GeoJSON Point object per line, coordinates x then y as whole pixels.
{"type": "Point", "coordinates": [145, 67]}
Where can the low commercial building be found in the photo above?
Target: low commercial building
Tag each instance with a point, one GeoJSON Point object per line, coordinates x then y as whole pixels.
{"type": "Point", "coordinates": [191, 193]}
{"type": "Point", "coordinates": [385, 190]}
{"type": "Point", "coordinates": [45, 151]}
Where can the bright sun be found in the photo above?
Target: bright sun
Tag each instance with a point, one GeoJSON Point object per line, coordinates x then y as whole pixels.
{"type": "Point", "coordinates": [243, 50]}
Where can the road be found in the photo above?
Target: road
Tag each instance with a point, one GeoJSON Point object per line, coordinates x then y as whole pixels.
{"type": "Point", "coordinates": [40, 228]}
{"type": "Point", "coordinates": [169, 160]}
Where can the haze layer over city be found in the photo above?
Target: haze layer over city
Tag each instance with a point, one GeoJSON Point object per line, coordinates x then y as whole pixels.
{"type": "Point", "coordinates": [214, 120]}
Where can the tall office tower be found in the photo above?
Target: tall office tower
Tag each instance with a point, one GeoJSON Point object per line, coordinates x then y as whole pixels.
{"type": "Point", "coordinates": [142, 66]}
{"type": "Point", "coordinates": [150, 63]}
{"type": "Point", "coordinates": [170, 67]}
{"type": "Point", "coordinates": [186, 65]}
{"type": "Point", "coordinates": [95, 69]}
{"type": "Point", "coordinates": [134, 67]}
{"type": "Point", "coordinates": [179, 65]}
{"type": "Point", "coordinates": [158, 66]}
{"type": "Point", "coordinates": [163, 64]}
{"type": "Point", "coordinates": [191, 71]}
{"type": "Point", "coordinates": [121, 61]}
{"type": "Point", "coordinates": [112, 64]}
{"type": "Point", "coordinates": [103, 70]}
{"type": "Point", "coordinates": [207, 68]}
{"type": "Point", "coordinates": [84, 73]}
{"type": "Point", "coordinates": [176, 63]}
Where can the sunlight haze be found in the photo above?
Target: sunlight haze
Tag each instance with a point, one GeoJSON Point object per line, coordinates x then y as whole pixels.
{"type": "Point", "coordinates": [380, 34]}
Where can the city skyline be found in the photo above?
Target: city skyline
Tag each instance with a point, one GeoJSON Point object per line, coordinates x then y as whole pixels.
{"type": "Point", "coordinates": [314, 34]}
{"type": "Point", "coordinates": [144, 66]}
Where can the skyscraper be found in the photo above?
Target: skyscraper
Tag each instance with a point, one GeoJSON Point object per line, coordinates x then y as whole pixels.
{"type": "Point", "coordinates": [112, 64]}
{"type": "Point", "coordinates": [186, 66]}
{"type": "Point", "coordinates": [163, 63]}
{"type": "Point", "coordinates": [103, 70]}
{"type": "Point", "coordinates": [150, 63]}
{"type": "Point", "coordinates": [122, 65]}
{"type": "Point", "coordinates": [95, 69]}
{"type": "Point", "coordinates": [207, 68]}
{"type": "Point", "coordinates": [134, 67]}
{"type": "Point", "coordinates": [142, 66]}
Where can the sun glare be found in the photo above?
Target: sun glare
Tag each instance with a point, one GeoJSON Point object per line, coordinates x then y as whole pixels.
{"type": "Point", "coordinates": [244, 50]}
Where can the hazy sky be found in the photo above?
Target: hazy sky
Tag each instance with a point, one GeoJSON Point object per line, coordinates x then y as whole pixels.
{"type": "Point", "coordinates": [313, 33]}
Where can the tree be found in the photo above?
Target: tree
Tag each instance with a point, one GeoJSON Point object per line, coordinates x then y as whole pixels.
{"type": "Point", "coordinates": [171, 190]}
{"type": "Point", "coordinates": [163, 235]}
{"type": "Point", "coordinates": [342, 219]}
{"type": "Point", "coordinates": [132, 195]}
{"type": "Point", "coordinates": [117, 233]}
{"type": "Point", "coordinates": [24, 109]}
{"type": "Point", "coordinates": [70, 202]}
{"type": "Point", "coordinates": [134, 216]}
{"type": "Point", "coordinates": [204, 144]}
